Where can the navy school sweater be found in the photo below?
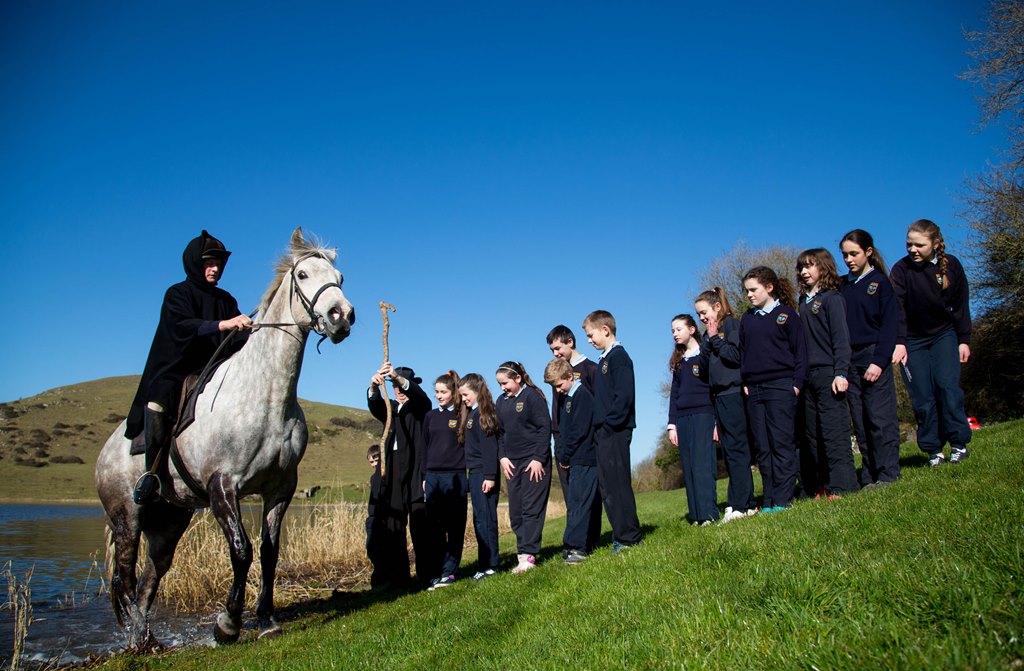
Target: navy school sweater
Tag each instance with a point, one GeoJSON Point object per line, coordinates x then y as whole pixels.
{"type": "Point", "coordinates": [615, 391]}
{"type": "Point", "coordinates": [525, 426]}
{"type": "Point", "coordinates": [871, 314]}
{"type": "Point", "coordinates": [585, 370]}
{"type": "Point", "coordinates": [441, 449]}
{"type": "Point", "coordinates": [828, 338]}
{"type": "Point", "coordinates": [773, 347]}
{"type": "Point", "coordinates": [926, 309]}
{"type": "Point", "coordinates": [576, 417]}
{"type": "Point", "coordinates": [724, 357]}
{"type": "Point", "coordinates": [481, 449]}
{"type": "Point", "coordinates": [691, 393]}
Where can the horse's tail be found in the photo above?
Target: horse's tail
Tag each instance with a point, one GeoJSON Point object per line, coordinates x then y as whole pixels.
{"type": "Point", "coordinates": [116, 588]}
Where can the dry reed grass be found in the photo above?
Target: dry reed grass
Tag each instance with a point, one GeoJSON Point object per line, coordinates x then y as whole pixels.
{"type": "Point", "coordinates": [323, 549]}
{"type": "Point", "coordinates": [19, 602]}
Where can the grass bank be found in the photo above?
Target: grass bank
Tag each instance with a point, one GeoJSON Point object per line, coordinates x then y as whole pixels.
{"type": "Point", "coordinates": [925, 573]}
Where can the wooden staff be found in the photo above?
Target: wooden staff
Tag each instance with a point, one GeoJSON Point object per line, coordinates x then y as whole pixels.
{"type": "Point", "coordinates": [384, 307]}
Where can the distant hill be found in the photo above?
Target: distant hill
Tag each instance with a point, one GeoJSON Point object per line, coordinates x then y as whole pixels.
{"type": "Point", "coordinates": [49, 442]}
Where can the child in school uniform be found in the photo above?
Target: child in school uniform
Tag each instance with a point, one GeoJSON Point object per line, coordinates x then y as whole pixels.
{"type": "Point", "coordinates": [478, 433]}
{"type": "Point", "coordinates": [871, 315]}
{"type": "Point", "coordinates": [562, 343]}
{"type": "Point", "coordinates": [575, 455]}
{"type": "Point", "coordinates": [524, 453]}
{"type": "Point", "coordinates": [445, 486]}
{"type": "Point", "coordinates": [934, 340]}
{"type": "Point", "coordinates": [827, 467]}
{"type": "Point", "coordinates": [614, 421]}
{"type": "Point", "coordinates": [721, 342]}
{"type": "Point", "coordinates": [773, 365]}
{"type": "Point", "coordinates": [691, 421]}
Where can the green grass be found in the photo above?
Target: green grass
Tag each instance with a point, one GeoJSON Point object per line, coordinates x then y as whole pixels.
{"type": "Point", "coordinates": [74, 422]}
{"type": "Point", "coordinates": [925, 573]}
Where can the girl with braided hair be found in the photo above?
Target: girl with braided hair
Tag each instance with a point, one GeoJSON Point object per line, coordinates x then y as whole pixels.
{"type": "Point", "coordinates": [933, 340]}
{"type": "Point", "coordinates": [524, 453]}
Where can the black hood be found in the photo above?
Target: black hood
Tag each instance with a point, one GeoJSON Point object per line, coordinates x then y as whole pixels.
{"type": "Point", "coordinates": [195, 251]}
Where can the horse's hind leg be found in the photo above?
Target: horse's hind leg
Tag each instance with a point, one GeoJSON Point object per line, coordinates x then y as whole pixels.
{"type": "Point", "coordinates": [224, 504]}
{"type": "Point", "coordinates": [123, 526]}
{"type": "Point", "coordinates": [163, 525]}
{"type": "Point", "coordinates": [270, 549]}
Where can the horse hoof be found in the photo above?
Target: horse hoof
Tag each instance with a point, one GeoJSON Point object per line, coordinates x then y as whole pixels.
{"type": "Point", "coordinates": [225, 631]}
{"type": "Point", "coordinates": [271, 630]}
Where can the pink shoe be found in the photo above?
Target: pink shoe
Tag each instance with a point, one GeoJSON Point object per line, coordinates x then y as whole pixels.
{"type": "Point", "coordinates": [526, 562]}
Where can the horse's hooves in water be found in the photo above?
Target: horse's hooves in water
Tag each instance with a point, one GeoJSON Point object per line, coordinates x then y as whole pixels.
{"type": "Point", "coordinates": [270, 629]}
{"type": "Point", "coordinates": [225, 631]}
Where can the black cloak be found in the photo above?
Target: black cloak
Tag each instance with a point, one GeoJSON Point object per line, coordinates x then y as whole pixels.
{"type": "Point", "coordinates": [186, 336]}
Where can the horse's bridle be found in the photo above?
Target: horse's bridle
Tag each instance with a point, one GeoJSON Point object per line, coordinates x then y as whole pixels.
{"type": "Point", "coordinates": [316, 321]}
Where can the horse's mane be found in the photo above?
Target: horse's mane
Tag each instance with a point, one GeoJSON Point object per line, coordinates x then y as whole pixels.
{"type": "Point", "coordinates": [312, 247]}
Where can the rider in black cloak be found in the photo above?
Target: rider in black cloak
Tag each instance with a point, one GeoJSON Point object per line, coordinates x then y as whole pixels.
{"type": "Point", "coordinates": [195, 318]}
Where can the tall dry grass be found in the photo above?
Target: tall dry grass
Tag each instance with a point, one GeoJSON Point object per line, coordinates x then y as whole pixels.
{"type": "Point", "coordinates": [19, 602]}
{"type": "Point", "coordinates": [323, 549]}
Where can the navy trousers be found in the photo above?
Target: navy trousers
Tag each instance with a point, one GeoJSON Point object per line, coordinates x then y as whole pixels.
{"type": "Point", "coordinates": [445, 497]}
{"type": "Point", "coordinates": [485, 520]}
{"type": "Point", "coordinates": [827, 461]}
{"type": "Point", "coordinates": [594, 529]}
{"type": "Point", "coordinates": [615, 478]}
{"type": "Point", "coordinates": [528, 505]}
{"type": "Point", "coordinates": [873, 411]}
{"type": "Point", "coordinates": [934, 386]}
{"type": "Point", "coordinates": [580, 506]}
{"type": "Point", "coordinates": [700, 465]}
{"type": "Point", "coordinates": [733, 434]}
{"type": "Point", "coordinates": [771, 408]}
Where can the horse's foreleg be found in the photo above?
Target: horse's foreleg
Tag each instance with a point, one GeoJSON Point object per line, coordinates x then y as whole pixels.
{"type": "Point", "coordinates": [224, 504]}
{"type": "Point", "coordinates": [270, 549]}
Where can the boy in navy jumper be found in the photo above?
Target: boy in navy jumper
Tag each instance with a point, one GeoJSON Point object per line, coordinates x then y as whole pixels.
{"type": "Point", "coordinates": [562, 343]}
{"type": "Point", "coordinates": [575, 455]}
{"type": "Point", "coordinates": [614, 421]}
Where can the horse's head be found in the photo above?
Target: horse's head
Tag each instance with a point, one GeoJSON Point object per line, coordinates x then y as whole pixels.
{"type": "Point", "coordinates": [318, 302]}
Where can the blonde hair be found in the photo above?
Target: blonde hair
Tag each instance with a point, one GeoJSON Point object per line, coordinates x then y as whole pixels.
{"type": "Point", "coordinates": [600, 318]}
{"type": "Point", "coordinates": [931, 229]}
{"type": "Point", "coordinates": [713, 297]}
{"type": "Point", "coordinates": [557, 370]}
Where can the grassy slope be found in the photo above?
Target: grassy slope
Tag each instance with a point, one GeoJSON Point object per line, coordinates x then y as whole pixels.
{"type": "Point", "coordinates": [925, 573]}
{"type": "Point", "coordinates": [76, 420]}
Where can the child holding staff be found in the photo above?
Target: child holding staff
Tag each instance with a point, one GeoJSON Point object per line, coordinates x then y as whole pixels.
{"type": "Point", "coordinates": [828, 457]}
{"type": "Point", "coordinates": [721, 341]}
{"type": "Point", "coordinates": [871, 315]}
{"type": "Point", "coordinates": [444, 479]}
{"type": "Point", "coordinates": [575, 455]}
{"type": "Point", "coordinates": [691, 421]}
{"type": "Point", "coordinates": [773, 364]}
{"type": "Point", "coordinates": [934, 340]}
{"type": "Point", "coordinates": [478, 432]}
{"type": "Point", "coordinates": [524, 452]}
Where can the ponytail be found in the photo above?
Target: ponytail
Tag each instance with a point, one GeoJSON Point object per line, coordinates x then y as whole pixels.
{"type": "Point", "coordinates": [716, 296]}
{"type": "Point", "coordinates": [863, 239]}
{"type": "Point", "coordinates": [782, 289]}
{"type": "Point", "coordinates": [519, 370]}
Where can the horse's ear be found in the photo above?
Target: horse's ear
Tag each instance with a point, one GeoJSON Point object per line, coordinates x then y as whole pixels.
{"type": "Point", "coordinates": [297, 239]}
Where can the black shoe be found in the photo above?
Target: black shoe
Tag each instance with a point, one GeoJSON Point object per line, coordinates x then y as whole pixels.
{"type": "Point", "coordinates": [147, 489]}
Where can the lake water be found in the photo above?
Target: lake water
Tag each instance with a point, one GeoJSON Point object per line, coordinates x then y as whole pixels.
{"type": "Point", "coordinates": [63, 546]}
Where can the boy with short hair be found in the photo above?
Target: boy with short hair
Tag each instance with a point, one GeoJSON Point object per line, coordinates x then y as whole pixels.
{"type": "Point", "coordinates": [614, 421]}
{"type": "Point", "coordinates": [575, 456]}
{"type": "Point", "coordinates": [562, 343]}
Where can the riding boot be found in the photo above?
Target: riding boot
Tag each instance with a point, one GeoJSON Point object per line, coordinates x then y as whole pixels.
{"type": "Point", "coordinates": [158, 433]}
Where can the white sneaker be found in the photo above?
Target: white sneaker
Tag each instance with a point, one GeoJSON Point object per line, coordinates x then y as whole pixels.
{"type": "Point", "coordinates": [526, 562]}
{"type": "Point", "coordinates": [958, 454]}
{"type": "Point", "coordinates": [732, 515]}
{"type": "Point", "coordinates": [937, 460]}
{"type": "Point", "coordinates": [753, 511]}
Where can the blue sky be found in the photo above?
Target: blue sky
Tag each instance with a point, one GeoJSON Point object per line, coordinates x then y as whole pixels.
{"type": "Point", "coordinates": [490, 169]}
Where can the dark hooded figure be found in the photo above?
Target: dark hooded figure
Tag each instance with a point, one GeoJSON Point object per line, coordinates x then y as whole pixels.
{"type": "Point", "coordinates": [195, 317]}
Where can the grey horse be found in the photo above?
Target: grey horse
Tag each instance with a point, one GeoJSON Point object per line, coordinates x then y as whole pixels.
{"type": "Point", "coordinates": [248, 437]}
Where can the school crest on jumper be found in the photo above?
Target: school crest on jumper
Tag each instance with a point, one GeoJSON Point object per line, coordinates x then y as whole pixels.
{"type": "Point", "coordinates": [453, 423]}
{"type": "Point", "coordinates": [519, 406]}
{"type": "Point", "coordinates": [938, 277]}
{"type": "Point", "coordinates": [568, 407]}
{"type": "Point", "coordinates": [782, 319]}
{"type": "Point", "coordinates": [604, 367]}
{"type": "Point", "coordinates": [872, 288]}
{"type": "Point", "coordinates": [575, 375]}
{"type": "Point", "coordinates": [469, 423]}
{"type": "Point", "coordinates": [815, 307]}
{"type": "Point", "coordinates": [695, 369]}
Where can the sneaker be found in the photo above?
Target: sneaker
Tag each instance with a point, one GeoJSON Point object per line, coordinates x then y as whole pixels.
{"type": "Point", "coordinates": [486, 573]}
{"type": "Point", "coordinates": [732, 515]}
{"type": "Point", "coordinates": [958, 454]}
{"type": "Point", "coordinates": [834, 497]}
{"type": "Point", "coordinates": [575, 557]}
{"type": "Point", "coordinates": [526, 562]}
{"type": "Point", "coordinates": [752, 511]}
{"type": "Point", "coordinates": [703, 523]}
{"type": "Point", "coordinates": [774, 509]}
{"type": "Point", "coordinates": [937, 460]}
{"type": "Point", "coordinates": [443, 581]}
